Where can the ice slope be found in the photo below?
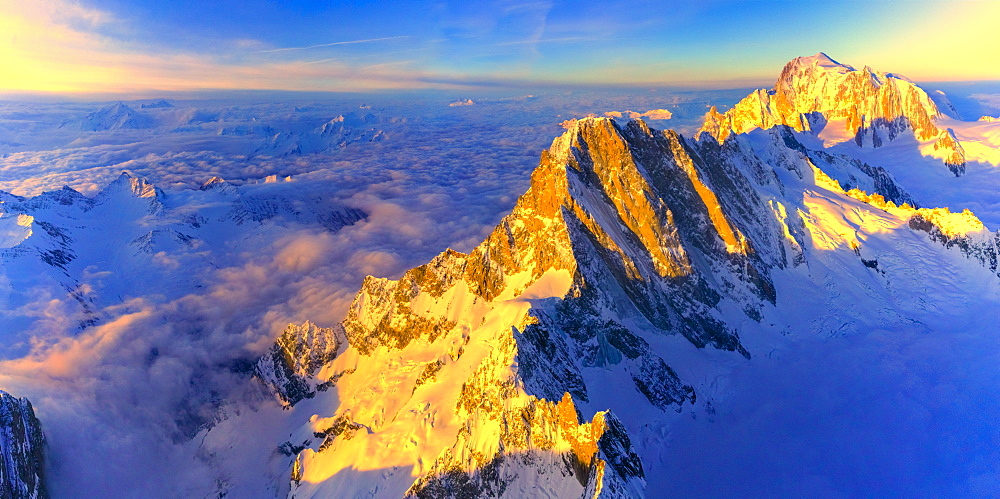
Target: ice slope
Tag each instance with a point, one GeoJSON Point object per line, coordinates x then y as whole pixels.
{"type": "Point", "coordinates": [915, 166]}
{"type": "Point", "coordinates": [881, 383]}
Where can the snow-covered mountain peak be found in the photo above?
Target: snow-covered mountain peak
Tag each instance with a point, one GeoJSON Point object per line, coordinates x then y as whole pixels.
{"type": "Point", "coordinates": [350, 119]}
{"type": "Point", "coordinates": [117, 116]}
{"type": "Point", "coordinates": [66, 196]}
{"type": "Point", "coordinates": [628, 239]}
{"type": "Point", "coordinates": [611, 250]}
{"type": "Point", "coordinates": [820, 61]}
{"type": "Point", "coordinates": [127, 190]}
{"type": "Point", "coordinates": [818, 94]}
{"type": "Point", "coordinates": [337, 133]}
{"type": "Point", "coordinates": [136, 187]}
{"type": "Point", "coordinates": [630, 246]}
{"type": "Point", "coordinates": [220, 185]}
{"type": "Point", "coordinates": [562, 146]}
{"type": "Point", "coordinates": [212, 182]}
{"type": "Point", "coordinates": [159, 104]}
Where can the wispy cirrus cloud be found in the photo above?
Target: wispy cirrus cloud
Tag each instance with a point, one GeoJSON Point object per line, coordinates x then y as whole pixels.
{"type": "Point", "coordinates": [64, 47]}
{"type": "Point", "coordinates": [549, 40]}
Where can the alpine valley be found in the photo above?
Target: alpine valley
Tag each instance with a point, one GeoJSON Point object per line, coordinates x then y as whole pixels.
{"type": "Point", "coordinates": [701, 313]}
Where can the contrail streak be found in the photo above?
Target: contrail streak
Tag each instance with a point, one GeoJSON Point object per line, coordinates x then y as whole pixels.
{"type": "Point", "coordinates": [330, 44]}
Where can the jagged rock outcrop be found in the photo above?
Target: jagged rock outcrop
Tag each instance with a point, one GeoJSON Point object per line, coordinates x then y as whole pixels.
{"type": "Point", "coordinates": [949, 145]}
{"type": "Point", "coordinates": [962, 230]}
{"type": "Point", "coordinates": [22, 447]}
{"type": "Point", "coordinates": [289, 367]}
{"type": "Point", "coordinates": [467, 422]}
{"type": "Point", "coordinates": [817, 92]}
{"type": "Point", "coordinates": [539, 437]}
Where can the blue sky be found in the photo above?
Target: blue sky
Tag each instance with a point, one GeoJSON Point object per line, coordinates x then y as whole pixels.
{"type": "Point", "coordinates": [128, 46]}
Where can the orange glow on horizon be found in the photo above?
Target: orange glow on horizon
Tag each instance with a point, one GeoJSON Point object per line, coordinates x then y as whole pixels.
{"type": "Point", "coordinates": [42, 55]}
{"type": "Point", "coordinates": [57, 46]}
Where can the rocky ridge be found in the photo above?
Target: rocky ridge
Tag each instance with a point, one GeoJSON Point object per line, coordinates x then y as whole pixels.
{"type": "Point", "coordinates": [289, 367]}
{"type": "Point", "coordinates": [22, 474]}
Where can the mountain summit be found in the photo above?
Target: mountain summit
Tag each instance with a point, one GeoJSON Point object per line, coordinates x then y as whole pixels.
{"type": "Point", "coordinates": [817, 93]}
{"type": "Point", "coordinates": [118, 116]}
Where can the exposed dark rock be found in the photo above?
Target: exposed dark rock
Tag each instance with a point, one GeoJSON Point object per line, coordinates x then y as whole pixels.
{"type": "Point", "coordinates": [22, 473]}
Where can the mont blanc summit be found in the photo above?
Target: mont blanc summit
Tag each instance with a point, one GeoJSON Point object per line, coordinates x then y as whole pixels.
{"type": "Point", "coordinates": [819, 94]}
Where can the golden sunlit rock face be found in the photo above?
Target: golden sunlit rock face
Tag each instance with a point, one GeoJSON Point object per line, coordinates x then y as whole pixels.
{"type": "Point", "coordinates": [590, 188]}
{"type": "Point", "coordinates": [480, 387]}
